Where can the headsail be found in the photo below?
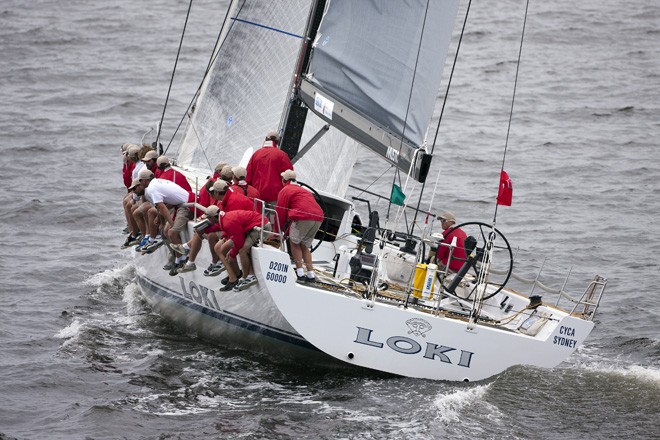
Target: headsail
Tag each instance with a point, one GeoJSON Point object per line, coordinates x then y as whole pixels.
{"type": "Point", "coordinates": [246, 90]}
{"type": "Point", "coordinates": [374, 76]}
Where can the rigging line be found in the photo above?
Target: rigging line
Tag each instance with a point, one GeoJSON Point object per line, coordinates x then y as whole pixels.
{"type": "Point", "coordinates": [214, 56]}
{"type": "Point", "coordinates": [513, 99]}
{"type": "Point", "coordinates": [451, 76]}
{"type": "Point", "coordinates": [412, 86]}
{"type": "Point", "coordinates": [363, 191]}
{"type": "Point", "coordinates": [372, 183]}
{"type": "Point", "coordinates": [389, 205]}
{"type": "Point", "coordinates": [442, 110]}
{"type": "Point", "coordinates": [401, 209]}
{"type": "Point", "coordinates": [169, 89]}
{"type": "Point", "coordinates": [192, 126]}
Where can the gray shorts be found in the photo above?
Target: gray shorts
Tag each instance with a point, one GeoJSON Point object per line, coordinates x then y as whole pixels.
{"type": "Point", "coordinates": [303, 231]}
{"type": "Point", "coordinates": [252, 237]}
{"type": "Point", "coordinates": [183, 214]}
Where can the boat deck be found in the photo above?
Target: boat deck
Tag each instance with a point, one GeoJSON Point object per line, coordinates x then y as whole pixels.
{"type": "Point", "coordinates": [397, 295]}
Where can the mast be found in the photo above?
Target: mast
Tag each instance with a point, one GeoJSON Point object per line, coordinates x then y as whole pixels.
{"type": "Point", "coordinates": [295, 114]}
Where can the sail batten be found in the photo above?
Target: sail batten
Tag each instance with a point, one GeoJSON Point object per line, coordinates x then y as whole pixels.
{"type": "Point", "coordinates": [254, 23]}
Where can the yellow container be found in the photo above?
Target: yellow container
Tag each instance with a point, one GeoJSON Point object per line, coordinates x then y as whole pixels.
{"type": "Point", "coordinates": [421, 271]}
{"type": "Point", "coordinates": [418, 283]}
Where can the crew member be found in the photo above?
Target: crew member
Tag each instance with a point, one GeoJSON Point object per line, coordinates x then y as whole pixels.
{"type": "Point", "coordinates": [297, 205]}
{"type": "Point", "coordinates": [458, 257]}
{"type": "Point", "coordinates": [165, 195]}
{"type": "Point", "coordinates": [239, 227]}
{"type": "Point", "coordinates": [265, 167]}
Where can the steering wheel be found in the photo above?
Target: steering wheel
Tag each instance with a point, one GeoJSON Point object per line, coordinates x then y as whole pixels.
{"type": "Point", "coordinates": [501, 265]}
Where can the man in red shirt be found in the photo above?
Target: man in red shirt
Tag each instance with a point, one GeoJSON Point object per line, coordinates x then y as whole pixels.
{"type": "Point", "coordinates": [227, 174]}
{"type": "Point", "coordinates": [130, 199]}
{"type": "Point", "coordinates": [298, 206]}
{"type": "Point", "coordinates": [241, 184]}
{"type": "Point", "coordinates": [126, 173]}
{"type": "Point", "coordinates": [162, 163]}
{"type": "Point", "coordinates": [228, 198]}
{"type": "Point", "coordinates": [238, 226]}
{"type": "Point", "coordinates": [458, 256]}
{"type": "Point", "coordinates": [149, 160]}
{"type": "Point", "coordinates": [128, 165]}
{"type": "Point", "coordinates": [204, 198]}
{"type": "Point", "coordinates": [169, 173]}
{"type": "Point", "coordinates": [265, 167]}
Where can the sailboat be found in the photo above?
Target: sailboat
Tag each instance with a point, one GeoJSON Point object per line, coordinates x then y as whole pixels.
{"type": "Point", "coordinates": [335, 77]}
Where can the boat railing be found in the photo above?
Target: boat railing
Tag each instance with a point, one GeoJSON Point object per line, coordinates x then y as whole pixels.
{"type": "Point", "coordinates": [405, 244]}
{"type": "Point", "coordinates": [273, 218]}
{"type": "Point", "coordinates": [588, 303]}
{"type": "Point", "coordinates": [585, 304]}
{"type": "Point", "coordinates": [195, 207]}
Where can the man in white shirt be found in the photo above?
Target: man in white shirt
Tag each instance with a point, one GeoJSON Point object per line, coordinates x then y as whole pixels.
{"type": "Point", "coordinates": [167, 199]}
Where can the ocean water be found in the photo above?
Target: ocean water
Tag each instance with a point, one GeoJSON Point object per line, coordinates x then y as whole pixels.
{"type": "Point", "coordinates": [84, 357]}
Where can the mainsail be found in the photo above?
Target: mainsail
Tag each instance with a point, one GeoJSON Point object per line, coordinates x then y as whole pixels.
{"type": "Point", "coordinates": [374, 76]}
{"type": "Point", "coordinates": [247, 89]}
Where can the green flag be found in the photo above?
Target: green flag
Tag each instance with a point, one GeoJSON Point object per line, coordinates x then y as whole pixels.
{"type": "Point", "coordinates": [397, 196]}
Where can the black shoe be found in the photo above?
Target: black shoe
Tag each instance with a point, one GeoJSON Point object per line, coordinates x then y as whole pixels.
{"type": "Point", "coordinates": [132, 240]}
{"type": "Point", "coordinates": [306, 280]}
{"type": "Point", "coordinates": [229, 286]}
{"type": "Point", "coordinates": [169, 265]}
{"type": "Point", "coordinates": [175, 268]}
{"type": "Point", "coordinates": [225, 280]}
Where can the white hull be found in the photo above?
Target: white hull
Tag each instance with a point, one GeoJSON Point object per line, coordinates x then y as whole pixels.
{"type": "Point", "coordinates": [195, 302]}
{"type": "Point", "coordinates": [411, 341]}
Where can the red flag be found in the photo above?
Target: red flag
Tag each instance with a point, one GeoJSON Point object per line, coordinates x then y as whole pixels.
{"type": "Point", "coordinates": [505, 194]}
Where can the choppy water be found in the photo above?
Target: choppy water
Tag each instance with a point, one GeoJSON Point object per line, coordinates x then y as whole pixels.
{"type": "Point", "coordinates": [83, 357]}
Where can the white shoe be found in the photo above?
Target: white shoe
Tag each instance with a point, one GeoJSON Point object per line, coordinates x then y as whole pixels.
{"type": "Point", "coordinates": [187, 267]}
{"type": "Point", "coordinates": [244, 283]}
